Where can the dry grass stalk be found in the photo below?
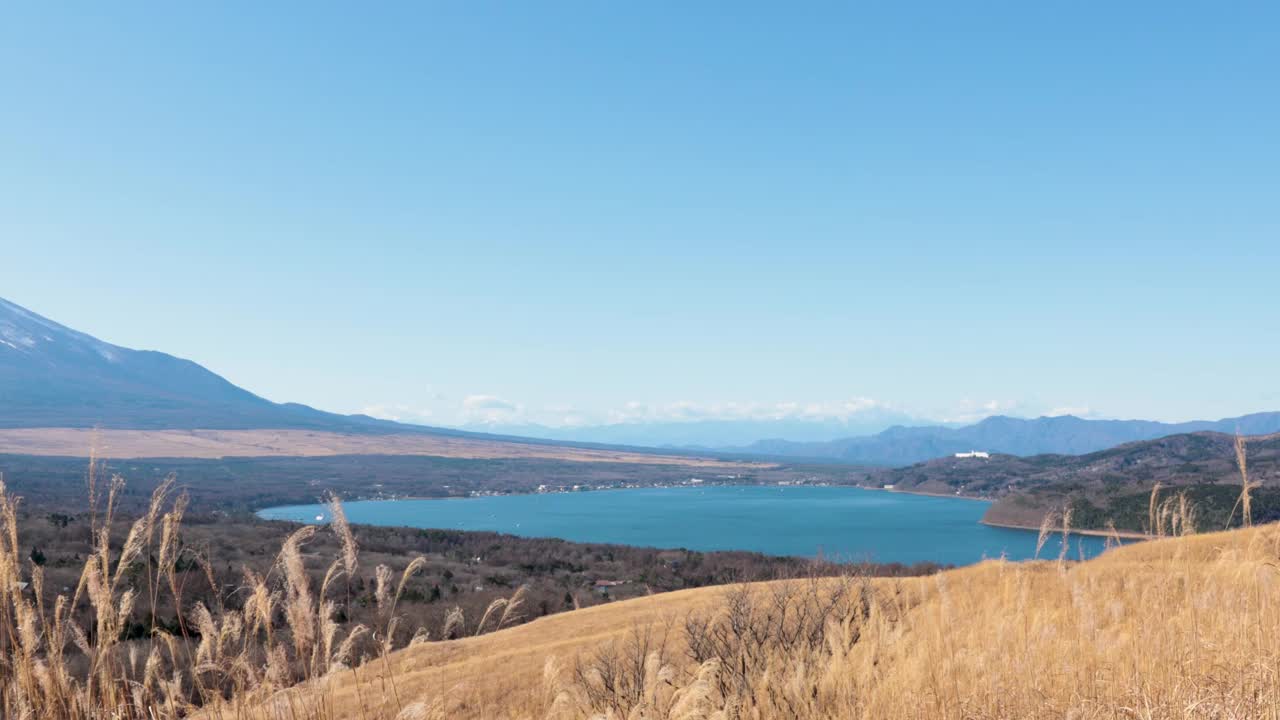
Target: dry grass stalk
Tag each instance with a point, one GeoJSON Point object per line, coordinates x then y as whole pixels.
{"type": "Point", "coordinates": [338, 521]}
{"type": "Point", "coordinates": [1066, 535]}
{"type": "Point", "coordinates": [1245, 501]}
{"type": "Point", "coordinates": [1154, 527]}
{"type": "Point", "coordinates": [1046, 528]}
{"type": "Point", "coordinates": [68, 656]}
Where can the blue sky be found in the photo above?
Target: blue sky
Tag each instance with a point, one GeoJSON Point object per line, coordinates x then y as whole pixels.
{"type": "Point", "coordinates": [576, 212]}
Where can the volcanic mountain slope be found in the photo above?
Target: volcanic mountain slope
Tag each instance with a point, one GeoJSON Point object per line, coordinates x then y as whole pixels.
{"type": "Point", "coordinates": [53, 376]}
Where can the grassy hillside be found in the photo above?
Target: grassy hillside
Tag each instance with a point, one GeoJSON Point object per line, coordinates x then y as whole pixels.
{"type": "Point", "coordinates": [1176, 628]}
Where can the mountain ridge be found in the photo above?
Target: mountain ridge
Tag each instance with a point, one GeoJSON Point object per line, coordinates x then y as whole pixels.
{"type": "Point", "coordinates": [1063, 435]}
{"type": "Point", "coordinates": [53, 375]}
{"type": "Point", "coordinates": [714, 434]}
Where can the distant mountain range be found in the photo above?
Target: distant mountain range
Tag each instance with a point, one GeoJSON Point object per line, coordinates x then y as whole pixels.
{"type": "Point", "coordinates": [713, 434]}
{"type": "Point", "coordinates": [1063, 435]}
{"type": "Point", "coordinates": [53, 376]}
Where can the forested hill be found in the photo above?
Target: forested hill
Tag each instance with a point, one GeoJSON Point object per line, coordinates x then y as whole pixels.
{"type": "Point", "coordinates": [1110, 485]}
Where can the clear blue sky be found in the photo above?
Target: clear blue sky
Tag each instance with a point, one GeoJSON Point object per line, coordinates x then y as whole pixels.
{"type": "Point", "coordinates": [569, 207]}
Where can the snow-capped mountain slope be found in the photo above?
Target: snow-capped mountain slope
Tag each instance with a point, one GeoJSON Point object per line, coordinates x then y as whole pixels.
{"type": "Point", "coordinates": [29, 333]}
{"type": "Point", "coordinates": [54, 376]}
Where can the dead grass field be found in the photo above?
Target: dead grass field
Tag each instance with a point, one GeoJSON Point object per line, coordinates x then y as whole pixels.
{"type": "Point", "coordinates": [501, 674]}
{"type": "Point", "coordinates": [1171, 628]}
{"type": "Point", "coordinates": [121, 444]}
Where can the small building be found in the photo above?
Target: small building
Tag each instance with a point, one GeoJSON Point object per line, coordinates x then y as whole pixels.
{"type": "Point", "coordinates": [974, 454]}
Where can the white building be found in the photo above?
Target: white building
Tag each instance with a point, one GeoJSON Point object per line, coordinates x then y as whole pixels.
{"type": "Point", "coordinates": [974, 454]}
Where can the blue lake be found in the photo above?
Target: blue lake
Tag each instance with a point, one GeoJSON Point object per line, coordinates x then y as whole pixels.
{"type": "Point", "coordinates": [840, 522]}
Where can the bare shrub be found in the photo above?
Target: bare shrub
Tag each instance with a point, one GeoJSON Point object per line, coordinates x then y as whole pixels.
{"type": "Point", "coordinates": [623, 674]}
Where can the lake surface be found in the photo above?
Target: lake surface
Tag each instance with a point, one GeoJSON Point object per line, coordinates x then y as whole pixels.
{"type": "Point", "coordinates": [840, 522]}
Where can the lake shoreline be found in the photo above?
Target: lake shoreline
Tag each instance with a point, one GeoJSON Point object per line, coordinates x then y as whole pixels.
{"type": "Point", "coordinates": [925, 494]}
{"type": "Point", "coordinates": [1122, 534]}
{"type": "Point", "coordinates": [675, 486]}
{"type": "Point", "coordinates": [800, 521]}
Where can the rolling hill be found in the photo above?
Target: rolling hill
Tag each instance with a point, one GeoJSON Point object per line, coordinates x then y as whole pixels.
{"type": "Point", "coordinates": [1176, 627]}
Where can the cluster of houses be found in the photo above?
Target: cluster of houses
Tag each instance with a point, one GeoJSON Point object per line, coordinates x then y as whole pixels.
{"type": "Point", "coordinates": [974, 454]}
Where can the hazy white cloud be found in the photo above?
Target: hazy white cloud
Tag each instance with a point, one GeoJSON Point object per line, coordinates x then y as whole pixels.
{"type": "Point", "coordinates": [489, 409]}
{"type": "Point", "coordinates": [689, 411]}
{"type": "Point", "coordinates": [565, 415]}
{"type": "Point", "coordinates": [398, 413]}
{"type": "Point", "coordinates": [487, 402]}
{"type": "Point", "coordinates": [971, 410]}
{"type": "Point", "coordinates": [1081, 411]}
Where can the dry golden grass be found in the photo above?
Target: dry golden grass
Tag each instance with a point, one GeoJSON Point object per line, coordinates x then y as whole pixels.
{"type": "Point", "coordinates": [1173, 628]}
{"type": "Point", "coordinates": [122, 444]}
{"type": "Point", "coordinates": [80, 655]}
{"type": "Point", "coordinates": [1246, 499]}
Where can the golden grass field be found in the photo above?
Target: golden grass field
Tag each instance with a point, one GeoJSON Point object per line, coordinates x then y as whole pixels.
{"type": "Point", "coordinates": [500, 673]}
{"type": "Point", "coordinates": [123, 444]}
{"type": "Point", "coordinates": [1173, 628]}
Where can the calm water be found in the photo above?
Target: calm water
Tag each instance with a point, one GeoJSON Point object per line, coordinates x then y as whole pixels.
{"type": "Point", "coordinates": [841, 522]}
